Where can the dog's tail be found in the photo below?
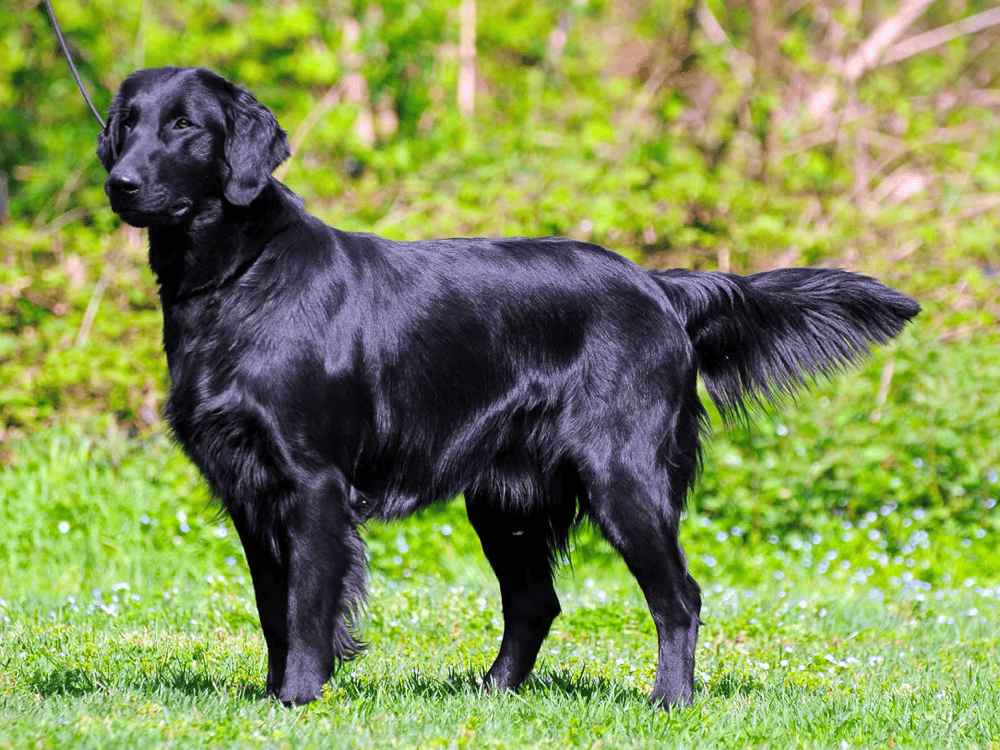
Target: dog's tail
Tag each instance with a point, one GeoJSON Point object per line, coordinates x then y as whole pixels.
{"type": "Point", "coordinates": [761, 336]}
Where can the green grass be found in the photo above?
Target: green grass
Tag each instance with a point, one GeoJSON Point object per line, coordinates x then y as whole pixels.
{"type": "Point", "coordinates": [127, 620]}
{"type": "Point", "coordinates": [784, 666]}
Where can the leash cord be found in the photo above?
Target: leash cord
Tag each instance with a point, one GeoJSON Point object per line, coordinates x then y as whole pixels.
{"type": "Point", "coordinates": [72, 67]}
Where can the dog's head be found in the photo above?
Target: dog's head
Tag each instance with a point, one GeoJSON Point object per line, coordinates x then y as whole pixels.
{"type": "Point", "coordinates": [178, 137]}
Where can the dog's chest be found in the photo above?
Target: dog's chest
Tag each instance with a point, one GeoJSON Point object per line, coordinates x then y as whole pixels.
{"type": "Point", "coordinates": [220, 384]}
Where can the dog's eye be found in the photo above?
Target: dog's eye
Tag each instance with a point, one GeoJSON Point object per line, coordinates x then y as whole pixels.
{"type": "Point", "coordinates": [182, 124]}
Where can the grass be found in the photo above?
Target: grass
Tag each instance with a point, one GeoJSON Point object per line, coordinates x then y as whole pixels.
{"type": "Point", "coordinates": [808, 664]}
{"type": "Point", "coordinates": [127, 620]}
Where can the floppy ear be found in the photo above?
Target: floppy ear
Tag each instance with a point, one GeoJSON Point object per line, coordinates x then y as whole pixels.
{"type": "Point", "coordinates": [255, 146]}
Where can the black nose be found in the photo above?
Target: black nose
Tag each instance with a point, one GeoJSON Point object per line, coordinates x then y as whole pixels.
{"type": "Point", "coordinates": [123, 182]}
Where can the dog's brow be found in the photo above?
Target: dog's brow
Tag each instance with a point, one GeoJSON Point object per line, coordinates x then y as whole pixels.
{"type": "Point", "coordinates": [177, 108]}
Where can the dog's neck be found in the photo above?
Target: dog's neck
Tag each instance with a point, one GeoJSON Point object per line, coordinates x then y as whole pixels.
{"type": "Point", "coordinates": [219, 243]}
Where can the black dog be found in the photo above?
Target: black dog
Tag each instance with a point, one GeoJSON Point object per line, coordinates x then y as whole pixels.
{"type": "Point", "coordinates": [320, 378]}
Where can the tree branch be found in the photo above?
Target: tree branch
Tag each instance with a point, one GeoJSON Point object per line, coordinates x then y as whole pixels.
{"type": "Point", "coordinates": [466, 93]}
{"type": "Point", "coordinates": [869, 52]}
{"type": "Point", "coordinates": [930, 39]}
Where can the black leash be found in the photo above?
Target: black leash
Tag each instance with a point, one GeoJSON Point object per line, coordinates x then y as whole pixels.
{"type": "Point", "coordinates": [72, 67]}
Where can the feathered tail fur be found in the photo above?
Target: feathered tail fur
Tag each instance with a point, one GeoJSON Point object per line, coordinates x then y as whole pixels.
{"type": "Point", "coordinates": [761, 336]}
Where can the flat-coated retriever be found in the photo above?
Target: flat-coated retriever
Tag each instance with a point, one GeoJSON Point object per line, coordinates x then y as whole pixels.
{"type": "Point", "coordinates": [320, 378]}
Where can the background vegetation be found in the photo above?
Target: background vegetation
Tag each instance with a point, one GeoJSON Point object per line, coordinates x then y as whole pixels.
{"type": "Point", "coordinates": [846, 542]}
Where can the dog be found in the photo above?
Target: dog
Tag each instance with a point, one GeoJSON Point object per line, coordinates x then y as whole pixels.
{"type": "Point", "coordinates": [320, 378]}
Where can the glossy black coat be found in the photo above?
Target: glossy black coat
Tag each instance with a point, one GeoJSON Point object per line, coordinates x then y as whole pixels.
{"type": "Point", "coordinates": [320, 378]}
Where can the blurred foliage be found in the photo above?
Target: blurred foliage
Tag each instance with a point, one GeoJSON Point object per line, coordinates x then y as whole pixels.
{"type": "Point", "coordinates": [705, 135]}
{"type": "Point", "coordinates": [915, 429]}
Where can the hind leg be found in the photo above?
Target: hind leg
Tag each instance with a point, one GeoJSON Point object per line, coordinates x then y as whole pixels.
{"type": "Point", "coordinates": [517, 547]}
{"type": "Point", "coordinates": [642, 526]}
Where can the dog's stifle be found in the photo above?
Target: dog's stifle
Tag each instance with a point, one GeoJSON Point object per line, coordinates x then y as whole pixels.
{"type": "Point", "coordinates": [320, 377]}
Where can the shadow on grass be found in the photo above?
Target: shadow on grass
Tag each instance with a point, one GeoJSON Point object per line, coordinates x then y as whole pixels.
{"type": "Point", "coordinates": [76, 681]}
{"type": "Point", "coordinates": [574, 685]}
{"type": "Point", "coordinates": [559, 682]}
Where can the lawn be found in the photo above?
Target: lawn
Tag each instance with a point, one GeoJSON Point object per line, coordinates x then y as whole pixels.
{"type": "Point", "coordinates": [127, 618]}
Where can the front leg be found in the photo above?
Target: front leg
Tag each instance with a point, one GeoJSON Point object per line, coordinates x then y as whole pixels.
{"type": "Point", "coordinates": [269, 573]}
{"type": "Point", "coordinates": [309, 581]}
{"type": "Point", "coordinates": [326, 580]}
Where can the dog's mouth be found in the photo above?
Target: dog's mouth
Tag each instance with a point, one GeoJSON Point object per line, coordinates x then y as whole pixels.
{"type": "Point", "coordinates": [144, 217]}
{"type": "Point", "coordinates": [180, 209]}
